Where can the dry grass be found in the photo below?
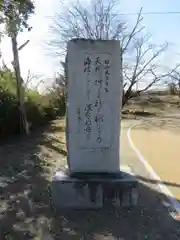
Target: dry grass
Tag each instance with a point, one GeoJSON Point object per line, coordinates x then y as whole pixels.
{"type": "Point", "coordinates": [154, 104]}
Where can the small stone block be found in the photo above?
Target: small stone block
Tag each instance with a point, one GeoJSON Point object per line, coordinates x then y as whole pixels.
{"type": "Point", "coordinates": [125, 199]}
{"type": "Point", "coordinates": [68, 192]}
{"type": "Point", "coordinates": [134, 196]}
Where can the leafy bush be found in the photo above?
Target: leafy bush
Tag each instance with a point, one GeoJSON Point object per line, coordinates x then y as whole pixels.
{"type": "Point", "coordinates": [9, 115]}
{"type": "Point", "coordinates": [39, 109]}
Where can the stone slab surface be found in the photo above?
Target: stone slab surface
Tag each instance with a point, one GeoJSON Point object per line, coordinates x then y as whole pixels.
{"type": "Point", "coordinates": [96, 192]}
{"type": "Point", "coordinates": [93, 105]}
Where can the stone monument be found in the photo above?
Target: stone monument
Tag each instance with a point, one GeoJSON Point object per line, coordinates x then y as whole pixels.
{"type": "Point", "coordinates": [94, 94]}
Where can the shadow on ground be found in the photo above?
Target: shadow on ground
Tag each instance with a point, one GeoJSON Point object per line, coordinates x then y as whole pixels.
{"type": "Point", "coordinates": [26, 211]}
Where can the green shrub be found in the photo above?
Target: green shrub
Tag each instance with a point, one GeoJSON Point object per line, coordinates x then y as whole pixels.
{"type": "Point", "coordinates": [39, 109]}
{"type": "Point", "coordinates": [9, 113]}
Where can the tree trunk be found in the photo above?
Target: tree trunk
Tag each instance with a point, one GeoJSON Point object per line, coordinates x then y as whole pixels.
{"type": "Point", "coordinates": [20, 88]}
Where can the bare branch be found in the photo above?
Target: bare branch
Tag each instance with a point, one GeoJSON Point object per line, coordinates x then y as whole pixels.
{"type": "Point", "coordinates": [30, 78]}
{"type": "Point", "coordinates": [134, 31]}
{"type": "Point", "coordinates": [23, 45]}
{"type": "Point", "coordinates": [154, 56]}
{"type": "Point", "coordinates": [99, 20]}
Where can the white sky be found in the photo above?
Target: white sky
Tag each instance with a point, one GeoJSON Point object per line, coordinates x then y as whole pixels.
{"type": "Point", "coordinates": [34, 56]}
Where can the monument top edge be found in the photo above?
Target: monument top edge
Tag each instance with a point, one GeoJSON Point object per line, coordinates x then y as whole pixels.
{"type": "Point", "coordinates": [92, 40]}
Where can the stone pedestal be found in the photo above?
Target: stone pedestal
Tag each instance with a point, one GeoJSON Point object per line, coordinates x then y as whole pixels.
{"type": "Point", "coordinates": [94, 98]}
{"type": "Point", "coordinates": [92, 190]}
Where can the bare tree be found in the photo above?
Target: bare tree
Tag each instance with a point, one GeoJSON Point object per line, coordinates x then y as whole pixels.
{"type": "Point", "coordinates": [143, 67]}
{"type": "Point", "coordinates": [30, 79]}
{"type": "Point", "coordinates": [175, 81]}
{"type": "Point", "coordinates": [100, 20]}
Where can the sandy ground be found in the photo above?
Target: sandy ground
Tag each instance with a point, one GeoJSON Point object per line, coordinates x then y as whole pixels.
{"type": "Point", "coordinates": [26, 211]}
{"type": "Point", "coordinates": [159, 143]}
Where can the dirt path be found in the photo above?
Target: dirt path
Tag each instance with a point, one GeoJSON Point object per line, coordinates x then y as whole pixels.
{"type": "Point", "coordinates": [25, 204]}
{"type": "Point", "coordinates": [26, 169]}
{"type": "Point", "coordinates": [159, 143]}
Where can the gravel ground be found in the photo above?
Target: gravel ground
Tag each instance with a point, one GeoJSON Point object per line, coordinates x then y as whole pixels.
{"type": "Point", "coordinates": [26, 212]}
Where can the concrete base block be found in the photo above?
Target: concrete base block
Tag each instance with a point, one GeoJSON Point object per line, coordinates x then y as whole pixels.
{"type": "Point", "coordinates": [72, 192]}
{"type": "Point", "coordinates": [94, 190]}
